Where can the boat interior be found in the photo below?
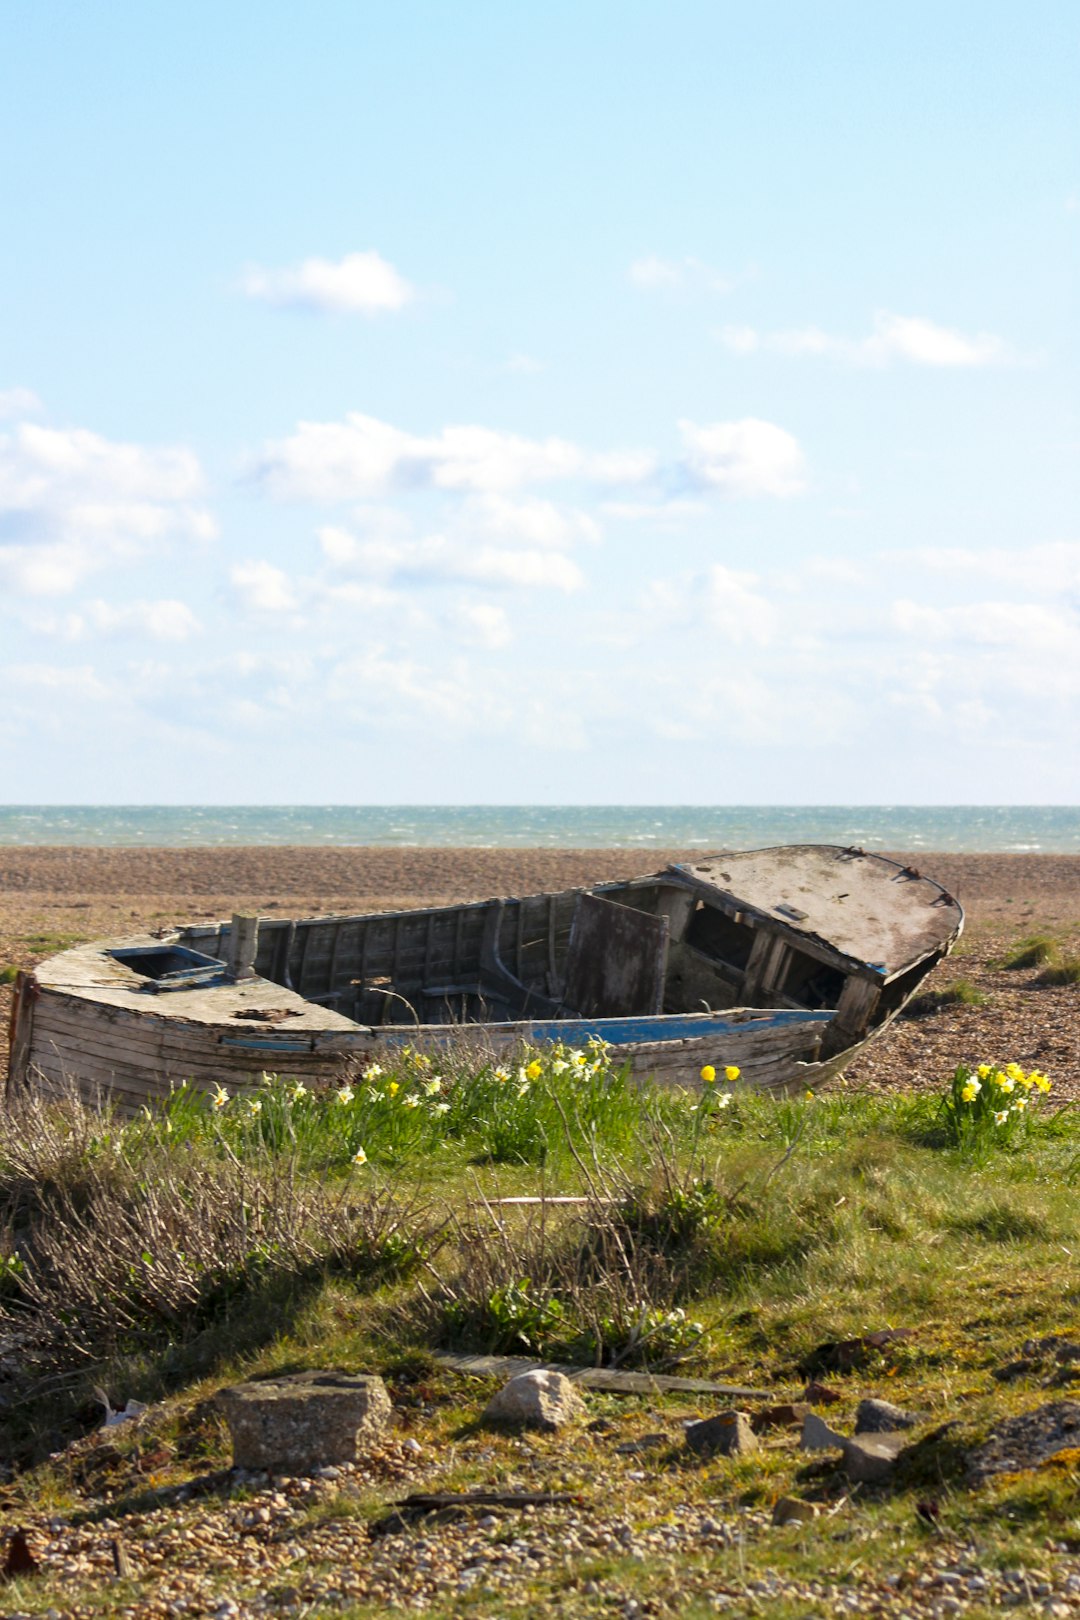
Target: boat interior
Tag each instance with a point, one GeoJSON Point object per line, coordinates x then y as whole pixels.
{"type": "Point", "coordinates": [648, 946]}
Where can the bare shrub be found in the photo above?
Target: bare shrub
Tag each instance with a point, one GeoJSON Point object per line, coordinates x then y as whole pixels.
{"type": "Point", "coordinates": [114, 1240]}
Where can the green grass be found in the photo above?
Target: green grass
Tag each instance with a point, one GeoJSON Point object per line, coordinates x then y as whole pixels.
{"type": "Point", "coordinates": [726, 1240]}
{"type": "Point", "coordinates": [8, 974]}
{"type": "Point", "coordinates": [962, 993]}
{"type": "Point", "coordinates": [1065, 971]}
{"type": "Point", "coordinates": [51, 943]}
{"type": "Point", "coordinates": [1035, 951]}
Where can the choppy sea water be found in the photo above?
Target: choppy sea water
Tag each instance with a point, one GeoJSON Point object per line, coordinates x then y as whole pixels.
{"type": "Point", "coordinates": [989, 828]}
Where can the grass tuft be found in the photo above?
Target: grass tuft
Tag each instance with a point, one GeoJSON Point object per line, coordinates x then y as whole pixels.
{"type": "Point", "coordinates": [1066, 971]}
{"type": "Point", "coordinates": [960, 994]}
{"type": "Point", "coordinates": [1035, 951]}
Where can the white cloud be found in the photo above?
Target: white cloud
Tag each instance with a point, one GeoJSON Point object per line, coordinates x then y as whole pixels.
{"type": "Point", "coordinates": [440, 557]}
{"type": "Point", "coordinates": [18, 402]}
{"type": "Point", "coordinates": [537, 522]}
{"type": "Point", "coordinates": [720, 600]}
{"type": "Point", "coordinates": [910, 338]}
{"type": "Point", "coordinates": [362, 456]}
{"type": "Point", "coordinates": [358, 284]}
{"type": "Point", "coordinates": [262, 587]}
{"type": "Point", "coordinates": [652, 271]}
{"type": "Point", "coordinates": [80, 683]}
{"type": "Point", "coordinates": [1051, 568]}
{"type": "Point", "coordinates": [335, 462]}
{"type": "Point", "coordinates": [165, 620]}
{"type": "Point", "coordinates": [1022, 626]}
{"type": "Point", "coordinates": [39, 464]}
{"type": "Point", "coordinates": [483, 623]}
{"type": "Point", "coordinates": [750, 457]}
{"type": "Point", "coordinates": [72, 501]}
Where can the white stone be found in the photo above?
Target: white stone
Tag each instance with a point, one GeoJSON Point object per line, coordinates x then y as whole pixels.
{"type": "Point", "coordinates": [538, 1399]}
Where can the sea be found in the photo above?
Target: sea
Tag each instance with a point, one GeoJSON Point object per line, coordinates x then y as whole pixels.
{"type": "Point", "coordinates": [975, 828]}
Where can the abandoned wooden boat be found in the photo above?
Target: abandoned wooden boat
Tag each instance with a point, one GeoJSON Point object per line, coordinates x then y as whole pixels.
{"type": "Point", "coordinates": [783, 962]}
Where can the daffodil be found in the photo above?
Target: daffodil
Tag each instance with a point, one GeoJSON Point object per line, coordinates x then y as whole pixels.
{"type": "Point", "coordinates": [1006, 1085]}
{"type": "Point", "coordinates": [984, 1071]}
{"type": "Point", "coordinates": [970, 1090]}
{"type": "Point", "coordinates": [254, 1105]}
{"type": "Point", "coordinates": [708, 1074]}
{"type": "Point", "coordinates": [392, 1088]}
{"type": "Point", "coordinates": [534, 1069]}
{"type": "Point", "coordinates": [411, 1102]}
{"type": "Point", "coordinates": [359, 1157]}
{"type": "Point", "coordinates": [220, 1097]}
{"type": "Point", "coordinates": [559, 1066]}
{"type": "Point", "coordinates": [1001, 1116]}
{"type": "Point", "coordinates": [501, 1074]}
{"type": "Point", "coordinates": [433, 1086]}
{"type": "Point", "coordinates": [578, 1059]}
{"type": "Point", "coordinates": [809, 1095]}
{"type": "Point", "coordinates": [373, 1071]}
{"type": "Point", "coordinates": [731, 1073]}
{"type": "Point", "coordinates": [345, 1094]}
{"type": "Point", "coordinates": [1015, 1072]}
{"type": "Point", "coordinates": [1039, 1081]}
{"type": "Point", "coordinates": [724, 1099]}
{"type": "Point", "coordinates": [1020, 1104]}
{"type": "Point", "coordinates": [298, 1092]}
{"type": "Point", "coordinates": [441, 1108]}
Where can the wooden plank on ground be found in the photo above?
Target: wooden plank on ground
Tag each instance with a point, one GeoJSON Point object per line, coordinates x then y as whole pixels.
{"type": "Point", "coordinates": [612, 1379]}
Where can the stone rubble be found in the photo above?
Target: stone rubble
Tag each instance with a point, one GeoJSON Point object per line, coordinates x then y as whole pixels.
{"type": "Point", "coordinates": [536, 1400]}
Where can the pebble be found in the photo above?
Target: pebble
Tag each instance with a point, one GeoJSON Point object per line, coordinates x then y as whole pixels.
{"type": "Point", "coordinates": [273, 1561]}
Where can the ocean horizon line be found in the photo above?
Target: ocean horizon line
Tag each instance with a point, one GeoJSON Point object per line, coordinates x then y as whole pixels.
{"type": "Point", "coordinates": [1015, 829]}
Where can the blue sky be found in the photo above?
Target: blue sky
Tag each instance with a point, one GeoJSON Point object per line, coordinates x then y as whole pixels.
{"type": "Point", "coordinates": [571, 403]}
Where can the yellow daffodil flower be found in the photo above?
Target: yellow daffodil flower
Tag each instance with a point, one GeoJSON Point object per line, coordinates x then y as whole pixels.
{"type": "Point", "coordinates": [345, 1094]}
{"type": "Point", "coordinates": [220, 1097]}
{"type": "Point", "coordinates": [970, 1091]}
{"type": "Point", "coordinates": [708, 1074]}
{"type": "Point", "coordinates": [731, 1073]}
{"type": "Point", "coordinates": [359, 1157]}
{"type": "Point", "coordinates": [392, 1088]}
{"type": "Point", "coordinates": [534, 1069]}
{"type": "Point", "coordinates": [984, 1071]}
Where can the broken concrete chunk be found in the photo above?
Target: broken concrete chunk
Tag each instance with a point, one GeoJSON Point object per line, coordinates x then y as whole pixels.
{"type": "Point", "coordinates": [728, 1434]}
{"type": "Point", "coordinates": [538, 1400]}
{"type": "Point", "coordinates": [789, 1510]}
{"type": "Point", "coordinates": [871, 1458]}
{"type": "Point", "coordinates": [882, 1417]}
{"type": "Point", "coordinates": [821, 1394]}
{"type": "Point", "coordinates": [304, 1421]}
{"type": "Point", "coordinates": [818, 1436]}
{"type": "Point", "coordinates": [1027, 1440]}
{"type": "Point", "coordinates": [790, 1415]}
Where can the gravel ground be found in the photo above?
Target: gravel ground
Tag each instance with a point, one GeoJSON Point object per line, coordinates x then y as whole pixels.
{"type": "Point", "coordinates": [255, 1546]}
